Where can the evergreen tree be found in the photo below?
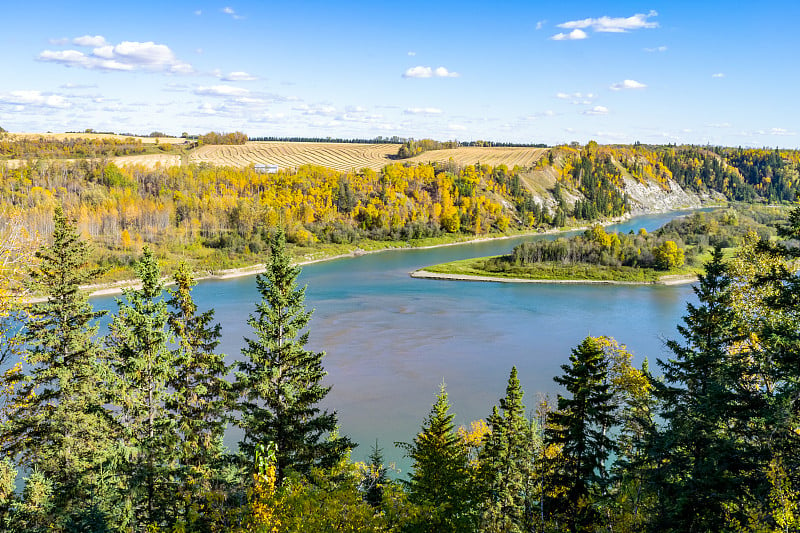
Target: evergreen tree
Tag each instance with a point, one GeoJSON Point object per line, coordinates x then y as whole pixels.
{"type": "Point", "coordinates": [145, 367]}
{"type": "Point", "coordinates": [439, 481]}
{"type": "Point", "coordinates": [201, 395]}
{"type": "Point", "coordinates": [506, 463]}
{"type": "Point", "coordinates": [280, 381]}
{"type": "Point", "coordinates": [707, 463]}
{"type": "Point", "coordinates": [580, 426]}
{"type": "Point", "coordinates": [376, 478]}
{"type": "Point", "coordinates": [58, 423]}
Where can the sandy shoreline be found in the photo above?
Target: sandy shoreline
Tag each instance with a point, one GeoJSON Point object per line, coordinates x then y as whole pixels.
{"type": "Point", "coordinates": [673, 280]}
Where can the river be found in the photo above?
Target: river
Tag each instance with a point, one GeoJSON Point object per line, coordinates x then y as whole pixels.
{"type": "Point", "coordinates": [391, 339]}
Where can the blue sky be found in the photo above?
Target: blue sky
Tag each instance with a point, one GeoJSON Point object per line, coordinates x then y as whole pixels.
{"type": "Point", "coordinates": [659, 72]}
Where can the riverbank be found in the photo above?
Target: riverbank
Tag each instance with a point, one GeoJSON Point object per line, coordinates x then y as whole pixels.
{"type": "Point", "coordinates": [664, 280]}
{"type": "Point", "coordinates": [116, 287]}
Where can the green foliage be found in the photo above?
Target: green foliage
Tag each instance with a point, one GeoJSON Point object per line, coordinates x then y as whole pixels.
{"type": "Point", "coordinates": [279, 381]}
{"type": "Point", "coordinates": [581, 426]}
{"type": "Point", "coordinates": [708, 462]}
{"type": "Point", "coordinates": [57, 420]}
{"type": "Point", "coordinates": [506, 464]}
{"type": "Point", "coordinates": [201, 397]}
{"type": "Point", "coordinates": [439, 481]}
{"type": "Point", "coordinates": [145, 367]}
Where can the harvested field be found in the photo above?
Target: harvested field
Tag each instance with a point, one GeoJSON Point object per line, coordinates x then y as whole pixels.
{"type": "Point", "coordinates": [494, 156]}
{"type": "Point", "coordinates": [346, 157]}
{"type": "Point", "coordinates": [340, 156]}
{"type": "Point", "coordinates": [148, 160]}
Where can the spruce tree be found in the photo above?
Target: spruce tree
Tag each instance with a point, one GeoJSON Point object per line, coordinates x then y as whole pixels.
{"type": "Point", "coordinates": [201, 396]}
{"type": "Point", "coordinates": [58, 423]}
{"type": "Point", "coordinates": [506, 463]}
{"type": "Point", "coordinates": [580, 425]}
{"type": "Point", "coordinates": [145, 367]}
{"type": "Point", "coordinates": [439, 481]}
{"type": "Point", "coordinates": [279, 381]}
{"type": "Point", "coordinates": [707, 461]}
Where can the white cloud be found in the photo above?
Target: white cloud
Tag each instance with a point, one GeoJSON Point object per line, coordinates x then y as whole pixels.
{"type": "Point", "coordinates": [198, 12]}
{"type": "Point", "coordinates": [540, 24]}
{"type": "Point", "coordinates": [89, 40]}
{"type": "Point", "coordinates": [230, 11]}
{"type": "Point", "coordinates": [125, 56]}
{"type": "Point", "coordinates": [613, 24]}
{"type": "Point", "coordinates": [428, 72]}
{"type": "Point", "coordinates": [423, 111]}
{"type": "Point", "coordinates": [720, 125]}
{"type": "Point", "coordinates": [222, 90]}
{"type": "Point", "coordinates": [627, 84]}
{"type": "Point", "coordinates": [574, 35]}
{"type": "Point", "coordinates": [70, 85]}
{"type": "Point", "coordinates": [33, 98]}
{"type": "Point", "coordinates": [718, 75]}
{"type": "Point", "coordinates": [412, 54]}
{"type": "Point", "coordinates": [597, 110]}
{"type": "Point", "coordinates": [456, 127]}
{"type": "Point", "coordinates": [238, 76]}
{"type": "Point", "coordinates": [656, 49]}
{"type": "Point", "coordinates": [777, 131]}
{"type": "Point", "coordinates": [58, 42]}
{"type": "Point", "coordinates": [577, 98]}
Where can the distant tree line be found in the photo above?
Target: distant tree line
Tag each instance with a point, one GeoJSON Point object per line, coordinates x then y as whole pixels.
{"type": "Point", "coordinates": [413, 147]}
{"type": "Point", "coordinates": [50, 147]}
{"type": "Point", "coordinates": [213, 137]}
{"type": "Point", "coordinates": [672, 245]}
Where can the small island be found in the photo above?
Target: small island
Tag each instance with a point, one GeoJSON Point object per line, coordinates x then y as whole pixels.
{"type": "Point", "coordinates": [671, 255]}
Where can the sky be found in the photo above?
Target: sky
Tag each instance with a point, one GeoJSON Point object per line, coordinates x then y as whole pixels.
{"type": "Point", "coordinates": [712, 72]}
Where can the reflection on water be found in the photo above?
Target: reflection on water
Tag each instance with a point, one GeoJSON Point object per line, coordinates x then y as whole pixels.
{"type": "Point", "coordinates": [391, 339]}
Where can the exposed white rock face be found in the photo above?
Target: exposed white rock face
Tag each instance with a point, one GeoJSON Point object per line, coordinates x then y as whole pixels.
{"type": "Point", "coordinates": [652, 197]}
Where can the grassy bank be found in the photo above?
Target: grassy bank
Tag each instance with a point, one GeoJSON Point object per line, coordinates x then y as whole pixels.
{"type": "Point", "coordinates": [558, 271]}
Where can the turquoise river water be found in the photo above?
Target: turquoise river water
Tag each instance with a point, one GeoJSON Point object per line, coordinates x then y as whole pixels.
{"type": "Point", "coordinates": [391, 339]}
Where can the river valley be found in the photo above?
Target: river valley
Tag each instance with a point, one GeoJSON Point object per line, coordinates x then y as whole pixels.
{"type": "Point", "coordinates": [391, 339]}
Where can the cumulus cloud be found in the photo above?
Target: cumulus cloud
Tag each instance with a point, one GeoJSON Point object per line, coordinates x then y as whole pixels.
{"type": "Point", "coordinates": [428, 72]}
{"type": "Point", "coordinates": [238, 76]}
{"type": "Point", "coordinates": [423, 111]}
{"type": "Point", "coordinates": [412, 53]}
{"type": "Point", "coordinates": [222, 90]}
{"type": "Point", "coordinates": [34, 98]}
{"type": "Point", "coordinates": [656, 49]}
{"type": "Point", "coordinates": [607, 24]}
{"type": "Point", "coordinates": [125, 56]}
{"type": "Point", "coordinates": [574, 35]}
{"type": "Point", "coordinates": [597, 110]}
{"type": "Point", "coordinates": [627, 84]}
{"type": "Point", "coordinates": [718, 75]}
{"type": "Point", "coordinates": [90, 40]}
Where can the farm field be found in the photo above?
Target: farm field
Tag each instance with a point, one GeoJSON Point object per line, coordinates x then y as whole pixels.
{"type": "Point", "coordinates": [346, 157]}
{"type": "Point", "coordinates": [490, 155]}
